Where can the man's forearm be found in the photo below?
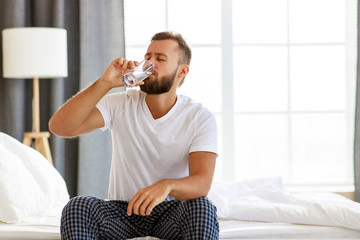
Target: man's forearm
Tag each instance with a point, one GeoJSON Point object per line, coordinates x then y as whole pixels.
{"type": "Point", "coordinates": [189, 187]}
{"type": "Point", "coordinates": [75, 111]}
{"type": "Point", "coordinates": [77, 116]}
{"type": "Point", "coordinates": [198, 183]}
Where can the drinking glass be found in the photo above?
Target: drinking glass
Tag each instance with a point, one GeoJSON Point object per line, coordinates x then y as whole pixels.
{"type": "Point", "coordinates": [138, 74]}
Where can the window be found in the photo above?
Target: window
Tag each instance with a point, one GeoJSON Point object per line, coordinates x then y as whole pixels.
{"type": "Point", "coordinates": [279, 75]}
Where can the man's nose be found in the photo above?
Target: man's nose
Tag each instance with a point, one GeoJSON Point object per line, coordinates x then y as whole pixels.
{"type": "Point", "coordinates": [152, 59]}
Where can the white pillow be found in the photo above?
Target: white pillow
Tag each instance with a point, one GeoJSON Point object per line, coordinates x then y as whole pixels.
{"type": "Point", "coordinates": [29, 185]}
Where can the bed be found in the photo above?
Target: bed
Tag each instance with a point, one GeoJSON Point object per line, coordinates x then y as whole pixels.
{"type": "Point", "coordinates": [37, 228]}
{"type": "Point", "coordinates": [33, 193]}
{"type": "Point", "coordinates": [48, 228]}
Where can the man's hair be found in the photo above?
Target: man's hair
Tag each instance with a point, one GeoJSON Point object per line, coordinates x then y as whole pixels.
{"type": "Point", "coordinates": [184, 49]}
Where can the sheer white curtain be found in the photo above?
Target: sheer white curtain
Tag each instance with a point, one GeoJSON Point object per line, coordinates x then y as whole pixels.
{"type": "Point", "coordinates": [279, 75]}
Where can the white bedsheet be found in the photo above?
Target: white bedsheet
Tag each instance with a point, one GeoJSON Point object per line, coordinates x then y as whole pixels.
{"type": "Point", "coordinates": [235, 229]}
{"type": "Point", "coordinates": [32, 229]}
{"type": "Point", "coordinates": [48, 228]}
{"type": "Point", "coordinates": [267, 201]}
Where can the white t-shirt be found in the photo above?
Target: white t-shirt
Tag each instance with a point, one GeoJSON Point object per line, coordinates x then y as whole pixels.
{"type": "Point", "coordinates": [146, 150]}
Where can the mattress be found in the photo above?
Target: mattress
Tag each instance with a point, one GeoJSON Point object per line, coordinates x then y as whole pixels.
{"type": "Point", "coordinates": [48, 228]}
{"type": "Point", "coordinates": [32, 229]}
{"type": "Point", "coordinates": [235, 229]}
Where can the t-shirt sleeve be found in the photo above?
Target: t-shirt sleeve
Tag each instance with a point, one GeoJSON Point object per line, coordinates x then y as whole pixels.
{"type": "Point", "coordinates": [205, 138]}
{"type": "Point", "coordinates": [108, 109]}
{"type": "Point", "coordinates": [103, 107]}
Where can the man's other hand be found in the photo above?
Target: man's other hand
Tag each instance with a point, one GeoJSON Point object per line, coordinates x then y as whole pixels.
{"type": "Point", "coordinates": [147, 198]}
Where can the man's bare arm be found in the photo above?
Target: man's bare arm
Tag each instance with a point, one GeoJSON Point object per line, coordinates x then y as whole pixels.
{"type": "Point", "coordinates": [79, 114]}
{"type": "Point", "coordinates": [197, 184]}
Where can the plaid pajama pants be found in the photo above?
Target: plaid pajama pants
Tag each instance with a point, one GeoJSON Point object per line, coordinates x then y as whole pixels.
{"type": "Point", "coordinates": [92, 218]}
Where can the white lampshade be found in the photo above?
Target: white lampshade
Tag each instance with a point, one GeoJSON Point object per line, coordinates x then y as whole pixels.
{"type": "Point", "coordinates": [34, 52]}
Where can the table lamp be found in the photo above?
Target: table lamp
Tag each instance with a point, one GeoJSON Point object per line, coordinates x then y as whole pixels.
{"type": "Point", "coordinates": [35, 52]}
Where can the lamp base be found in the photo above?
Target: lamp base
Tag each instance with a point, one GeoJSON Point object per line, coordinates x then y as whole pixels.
{"type": "Point", "coordinates": [41, 143]}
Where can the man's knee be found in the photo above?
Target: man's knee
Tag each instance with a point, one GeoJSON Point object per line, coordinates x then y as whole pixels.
{"type": "Point", "coordinates": [77, 203]}
{"type": "Point", "coordinates": [76, 216]}
{"type": "Point", "coordinates": [203, 219]}
{"type": "Point", "coordinates": [201, 206]}
{"type": "Point", "coordinates": [78, 209]}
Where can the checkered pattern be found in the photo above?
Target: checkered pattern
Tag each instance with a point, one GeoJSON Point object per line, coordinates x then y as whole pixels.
{"type": "Point", "coordinates": [92, 218]}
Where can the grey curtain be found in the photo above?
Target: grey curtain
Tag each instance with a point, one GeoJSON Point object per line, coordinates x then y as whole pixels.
{"type": "Point", "coordinates": [95, 37]}
{"type": "Point", "coordinates": [357, 120]}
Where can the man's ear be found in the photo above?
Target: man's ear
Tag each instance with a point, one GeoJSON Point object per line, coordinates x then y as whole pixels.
{"type": "Point", "coordinates": [183, 71]}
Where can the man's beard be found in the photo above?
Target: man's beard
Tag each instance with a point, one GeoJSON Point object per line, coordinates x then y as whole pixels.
{"type": "Point", "coordinates": [159, 86]}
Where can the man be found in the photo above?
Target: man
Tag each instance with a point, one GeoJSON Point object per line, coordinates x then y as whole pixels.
{"type": "Point", "coordinates": [164, 152]}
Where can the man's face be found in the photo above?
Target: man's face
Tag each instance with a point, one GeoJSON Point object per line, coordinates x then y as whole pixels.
{"type": "Point", "coordinates": [164, 55]}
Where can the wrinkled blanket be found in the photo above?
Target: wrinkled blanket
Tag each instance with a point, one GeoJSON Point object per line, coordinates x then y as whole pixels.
{"type": "Point", "coordinates": [267, 200]}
